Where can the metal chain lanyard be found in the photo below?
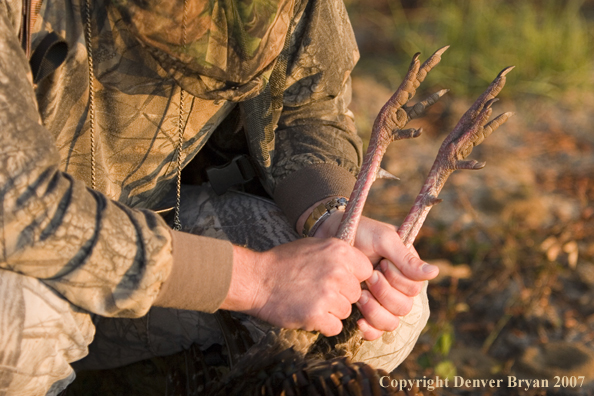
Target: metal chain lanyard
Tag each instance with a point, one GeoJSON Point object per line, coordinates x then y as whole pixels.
{"type": "Point", "coordinates": [91, 92]}
{"type": "Point", "coordinates": [180, 124]}
{"type": "Point", "coordinates": [92, 119]}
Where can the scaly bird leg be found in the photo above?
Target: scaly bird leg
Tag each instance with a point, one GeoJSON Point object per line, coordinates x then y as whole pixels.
{"type": "Point", "coordinates": [470, 131]}
{"type": "Point", "coordinates": [388, 126]}
{"type": "Point", "coordinates": [290, 348]}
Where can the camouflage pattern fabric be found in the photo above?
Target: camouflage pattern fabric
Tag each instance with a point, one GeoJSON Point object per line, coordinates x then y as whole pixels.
{"type": "Point", "coordinates": [102, 251]}
{"type": "Point", "coordinates": [223, 40]}
{"type": "Point", "coordinates": [241, 218]}
{"type": "Point", "coordinates": [46, 333]}
{"type": "Point", "coordinates": [91, 246]}
{"type": "Point", "coordinates": [42, 333]}
{"type": "Point", "coordinates": [98, 254]}
{"type": "Point", "coordinates": [138, 96]}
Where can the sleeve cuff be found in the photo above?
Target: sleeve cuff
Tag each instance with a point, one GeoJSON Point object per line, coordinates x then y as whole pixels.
{"type": "Point", "coordinates": [301, 189]}
{"type": "Point", "coordinates": [200, 276]}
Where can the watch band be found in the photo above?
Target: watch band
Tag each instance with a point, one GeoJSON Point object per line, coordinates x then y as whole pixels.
{"type": "Point", "coordinates": [321, 213]}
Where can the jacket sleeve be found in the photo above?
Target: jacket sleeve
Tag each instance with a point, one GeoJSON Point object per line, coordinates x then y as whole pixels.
{"type": "Point", "coordinates": [317, 149]}
{"type": "Point", "coordinates": [98, 254]}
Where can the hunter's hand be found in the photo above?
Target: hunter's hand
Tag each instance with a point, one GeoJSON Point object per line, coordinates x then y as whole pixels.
{"type": "Point", "coordinates": [393, 284]}
{"type": "Point", "coordinates": [309, 283]}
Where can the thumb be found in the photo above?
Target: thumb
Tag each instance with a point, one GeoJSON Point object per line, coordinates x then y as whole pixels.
{"type": "Point", "coordinates": [407, 262]}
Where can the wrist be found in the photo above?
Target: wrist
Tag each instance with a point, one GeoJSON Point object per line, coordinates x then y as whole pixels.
{"type": "Point", "coordinates": [318, 214]}
{"type": "Point", "coordinates": [329, 227]}
{"type": "Point", "coordinates": [245, 281]}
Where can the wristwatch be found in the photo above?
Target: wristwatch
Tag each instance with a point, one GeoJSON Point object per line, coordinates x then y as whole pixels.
{"type": "Point", "coordinates": [321, 213]}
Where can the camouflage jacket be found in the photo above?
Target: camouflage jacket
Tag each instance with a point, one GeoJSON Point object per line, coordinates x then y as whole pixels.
{"type": "Point", "coordinates": [246, 89]}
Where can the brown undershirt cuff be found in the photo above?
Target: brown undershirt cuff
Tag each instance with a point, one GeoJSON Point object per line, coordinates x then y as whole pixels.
{"type": "Point", "coordinates": [301, 189]}
{"type": "Point", "coordinates": [200, 276]}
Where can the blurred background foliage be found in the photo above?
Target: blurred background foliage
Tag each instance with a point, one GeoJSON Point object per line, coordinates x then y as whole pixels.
{"type": "Point", "coordinates": [550, 42]}
{"type": "Point", "coordinates": [515, 241]}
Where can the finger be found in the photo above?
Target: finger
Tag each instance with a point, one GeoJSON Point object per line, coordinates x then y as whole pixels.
{"type": "Point", "coordinates": [347, 257]}
{"type": "Point", "coordinates": [341, 307]}
{"type": "Point", "coordinates": [360, 265]}
{"type": "Point", "coordinates": [398, 281]}
{"type": "Point", "coordinates": [393, 300]}
{"type": "Point", "coordinates": [414, 251]}
{"type": "Point", "coordinates": [411, 266]}
{"type": "Point", "coordinates": [369, 333]}
{"type": "Point", "coordinates": [350, 289]}
{"type": "Point", "coordinates": [368, 233]}
{"type": "Point", "coordinates": [376, 315]}
{"type": "Point", "coordinates": [329, 326]}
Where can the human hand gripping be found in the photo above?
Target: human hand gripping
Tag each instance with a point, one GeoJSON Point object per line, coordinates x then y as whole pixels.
{"type": "Point", "coordinates": [375, 239]}
{"type": "Point", "coordinates": [308, 284]}
{"type": "Point", "coordinates": [394, 283]}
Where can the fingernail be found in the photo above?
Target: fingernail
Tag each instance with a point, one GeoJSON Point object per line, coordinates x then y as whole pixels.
{"type": "Point", "coordinates": [384, 266]}
{"type": "Point", "coordinates": [428, 268]}
{"type": "Point", "coordinates": [363, 299]}
{"type": "Point", "coordinates": [374, 278]}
